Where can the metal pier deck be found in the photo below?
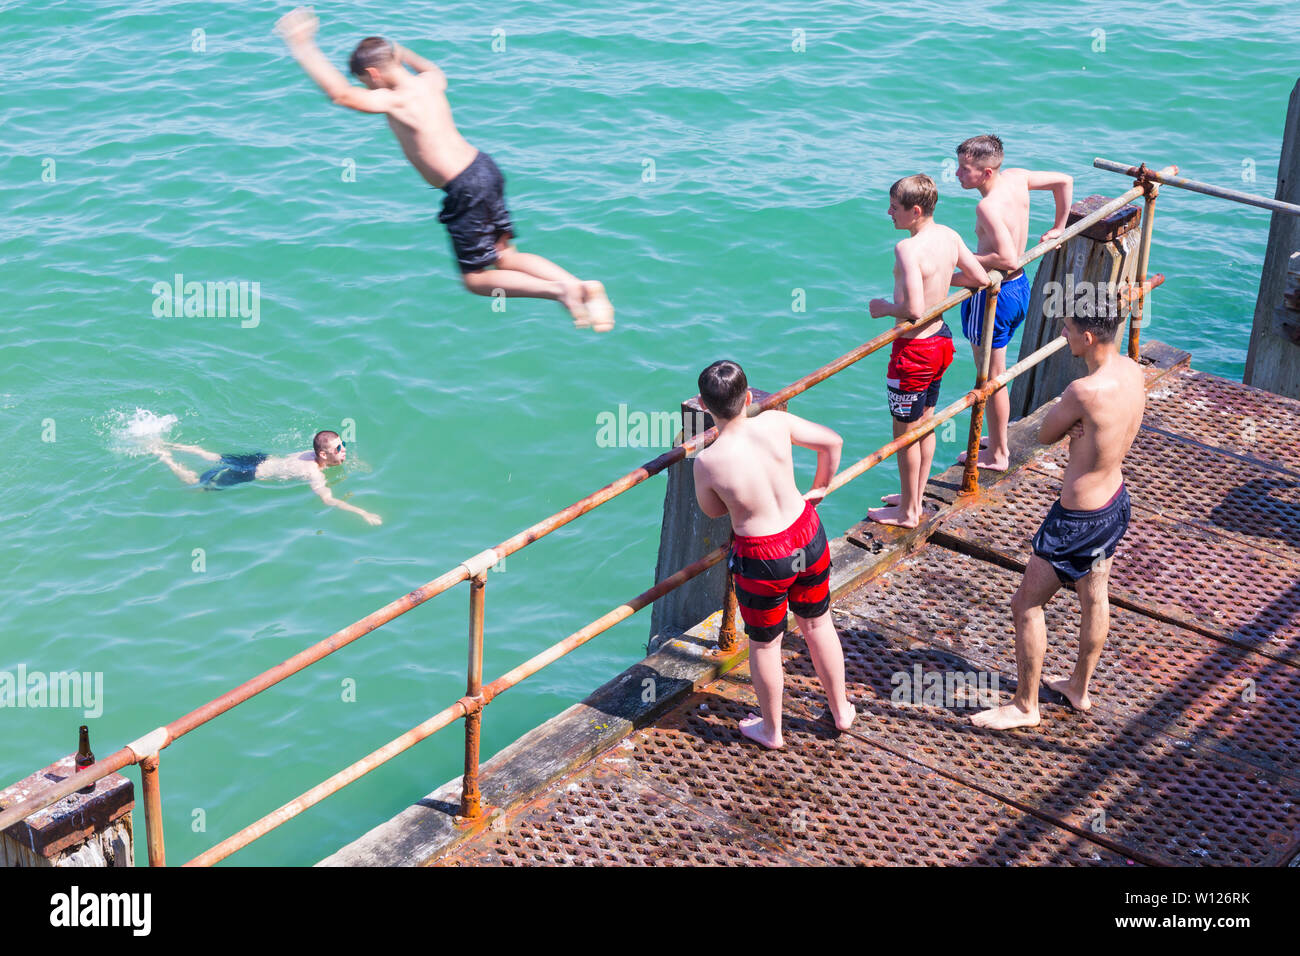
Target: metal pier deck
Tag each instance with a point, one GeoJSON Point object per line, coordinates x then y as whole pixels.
{"type": "Point", "coordinates": [1191, 754]}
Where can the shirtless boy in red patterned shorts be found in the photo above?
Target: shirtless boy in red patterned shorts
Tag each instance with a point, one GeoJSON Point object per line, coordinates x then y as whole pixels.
{"type": "Point", "coordinates": [923, 268]}
{"type": "Point", "coordinates": [779, 557]}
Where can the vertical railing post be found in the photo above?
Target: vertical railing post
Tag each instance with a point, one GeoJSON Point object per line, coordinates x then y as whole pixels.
{"type": "Point", "coordinates": [970, 479]}
{"type": "Point", "coordinates": [153, 824]}
{"type": "Point", "coordinates": [469, 798]}
{"type": "Point", "coordinates": [727, 629]}
{"type": "Point", "coordinates": [1137, 316]}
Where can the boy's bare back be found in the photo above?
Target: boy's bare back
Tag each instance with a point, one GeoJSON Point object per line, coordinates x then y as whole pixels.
{"type": "Point", "coordinates": [1109, 404]}
{"type": "Point", "coordinates": [420, 118]}
{"type": "Point", "coordinates": [752, 473]}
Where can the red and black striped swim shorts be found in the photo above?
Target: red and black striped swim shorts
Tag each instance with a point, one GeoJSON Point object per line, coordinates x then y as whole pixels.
{"type": "Point", "coordinates": [791, 567]}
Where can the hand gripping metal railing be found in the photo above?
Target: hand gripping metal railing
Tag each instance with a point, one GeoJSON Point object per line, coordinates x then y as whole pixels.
{"type": "Point", "coordinates": [145, 751]}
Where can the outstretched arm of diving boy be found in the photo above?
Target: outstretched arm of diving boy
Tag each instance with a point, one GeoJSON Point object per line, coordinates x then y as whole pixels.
{"type": "Point", "coordinates": [419, 64]}
{"type": "Point", "coordinates": [298, 29]}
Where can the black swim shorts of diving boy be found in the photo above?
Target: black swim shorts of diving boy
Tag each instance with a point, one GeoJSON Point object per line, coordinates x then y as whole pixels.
{"type": "Point", "coordinates": [474, 212]}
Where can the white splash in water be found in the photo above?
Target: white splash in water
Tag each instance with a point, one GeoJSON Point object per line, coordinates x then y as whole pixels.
{"type": "Point", "coordinates": [136, 433]}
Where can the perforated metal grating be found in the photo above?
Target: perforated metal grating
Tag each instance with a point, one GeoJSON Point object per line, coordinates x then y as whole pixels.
{"type": "Point", "coordinates": [692, 791]}
{"type": "Point", "coordinates": [1228, 415]}
{"type": "Point", "coordinates": [1177, 569]}
{"type": "Point", "coordinates": [1223, 494]}
{"type": "Point", "coordinates": [603, 817]}
{"type": "Point", "coordinates": [1158, 797]}
{"type": "Point", "coordinates": [1164, 677]}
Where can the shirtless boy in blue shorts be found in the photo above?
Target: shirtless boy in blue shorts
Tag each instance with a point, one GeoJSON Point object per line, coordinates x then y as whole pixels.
{"type": "Point", "coordinates": [1002, 228]}
{"type": "Point", "coordinates": [1101, 413]}
{"type": "Point", "coordinates": [474, 209]}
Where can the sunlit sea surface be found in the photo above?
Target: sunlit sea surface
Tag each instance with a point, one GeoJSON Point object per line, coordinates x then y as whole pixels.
{"type": "Point", "coordinates": [711, 162]}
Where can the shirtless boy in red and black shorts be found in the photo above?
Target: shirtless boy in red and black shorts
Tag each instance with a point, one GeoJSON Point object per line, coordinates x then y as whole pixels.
{"type": "Point", "coordinates": [923, 269]}
{"type": "Point", "coordinates": [779, 555]}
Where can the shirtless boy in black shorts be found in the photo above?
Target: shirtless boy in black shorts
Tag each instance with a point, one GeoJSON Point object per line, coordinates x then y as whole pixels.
{"type": "Point", "coordinates": [474, 210]}
{"type": "Point", "coordinates": [1101, 413]}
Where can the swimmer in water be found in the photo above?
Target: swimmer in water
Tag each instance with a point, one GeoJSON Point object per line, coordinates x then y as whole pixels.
{"type": "Point", "coordinates": [328, 451]}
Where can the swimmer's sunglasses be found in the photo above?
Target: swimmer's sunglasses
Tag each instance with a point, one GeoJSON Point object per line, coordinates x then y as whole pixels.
{"type": "Point", "coordinates": [342, 445]}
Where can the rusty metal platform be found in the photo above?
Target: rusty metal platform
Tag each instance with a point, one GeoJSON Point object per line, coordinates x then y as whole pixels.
{"type": "Point", "coordinates": [1190, 755]}
{"type": "Point", "coordinates": [691, 791]}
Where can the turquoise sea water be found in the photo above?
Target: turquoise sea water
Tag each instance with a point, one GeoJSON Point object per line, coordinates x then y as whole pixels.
{"type": "Point", "coordinates": [137, 149]}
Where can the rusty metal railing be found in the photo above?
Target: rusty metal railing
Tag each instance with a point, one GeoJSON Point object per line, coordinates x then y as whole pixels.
{"type": "Point", "coordinates": [1192, 185]}
{"type": "Point", "coordinates": [146, 750]}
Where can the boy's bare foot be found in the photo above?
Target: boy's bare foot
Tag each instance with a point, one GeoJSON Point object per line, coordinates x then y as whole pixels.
{"type": "Point", "coordinates": [1063, 686]}
{"type": "Point", "coordinates": [573, 298]}
{"type": "Point", "coordinates": [988, 460]}
{"type": "Point", "coordinates": [844, 714]}
{"type": "Point", "coordinates": [598, 305]}
{"type": "Point", "coordinates": [895, 516]}
{"type": "Point", "coordinates": [1005, 718]}
{"type": "Point", "coordinates": [756, 730]}
{"type": "Point", "coordinates": [892, 500]}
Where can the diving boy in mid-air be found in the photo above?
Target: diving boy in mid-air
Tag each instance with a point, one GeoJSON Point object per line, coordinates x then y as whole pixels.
{"type": "Point", "coordinates": [923, 268]}
{"type": "Point", "coordinates": [779, 552]}
{"type": "Point", "coordinates": [328, 451]}
{"type": "Point", "coordinates": [1002, 228]}
{"type": "Point", "coordinates": [474, 209]}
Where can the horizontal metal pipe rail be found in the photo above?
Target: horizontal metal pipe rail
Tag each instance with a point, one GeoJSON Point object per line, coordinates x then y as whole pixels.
{"type": "Point", "coordinates": [1208, 189]}
{"type": "Point", "coordinates": [463, 707]}
{"type": "Point", "coordinates": [148, 747]}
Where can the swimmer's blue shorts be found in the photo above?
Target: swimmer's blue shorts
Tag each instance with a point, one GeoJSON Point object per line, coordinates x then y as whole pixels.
{"type": "Point", "coordinates": [233, 470]}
